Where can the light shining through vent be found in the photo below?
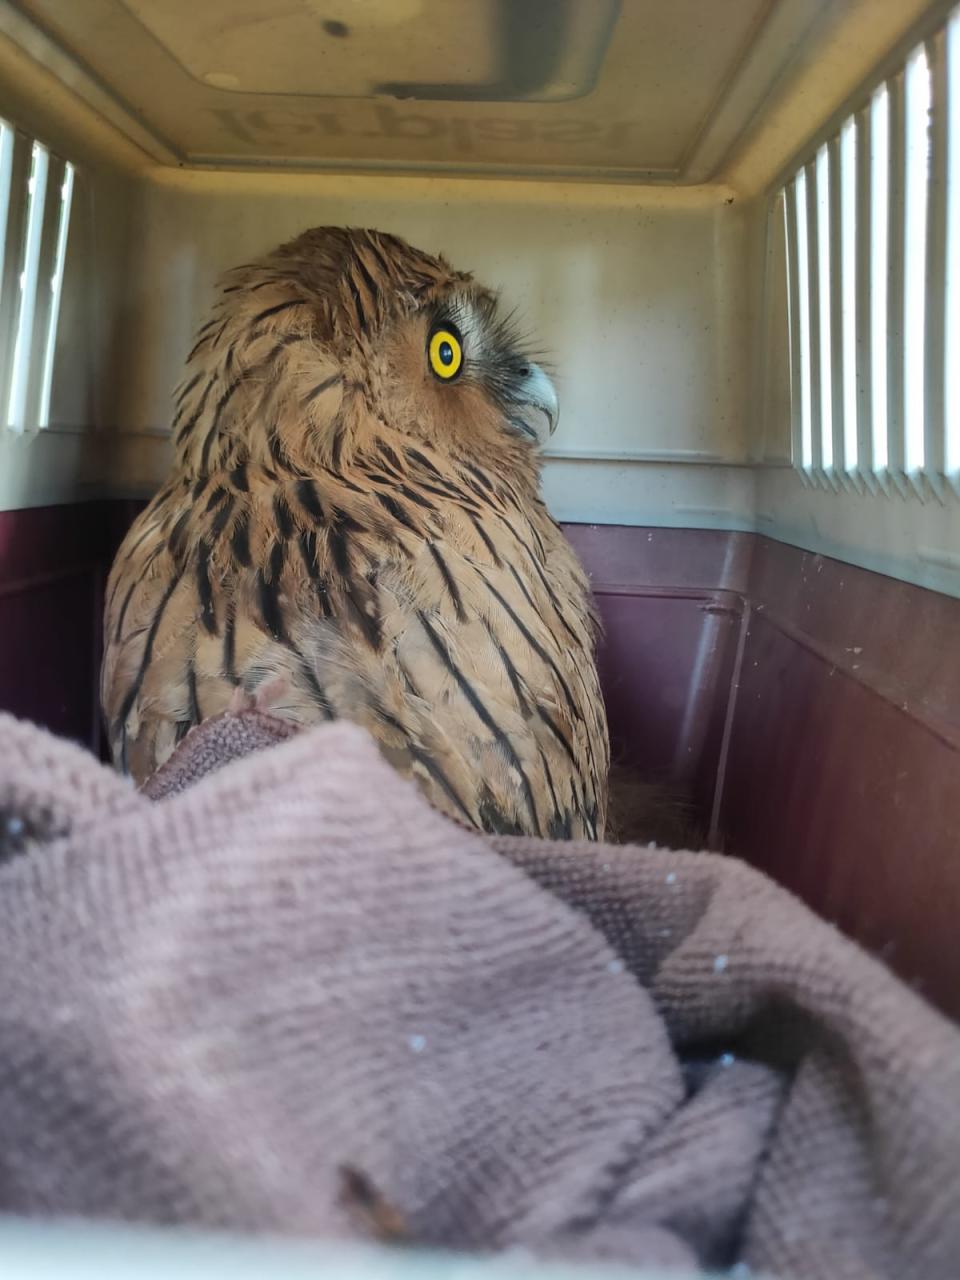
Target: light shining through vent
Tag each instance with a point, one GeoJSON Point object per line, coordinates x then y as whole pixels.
{"type": "Point", "coordinates": [848, 291]}
{"type": "Point", "coordinates": [803, 319]}
{"type": "Point", "coordinates": [879, 266]}
{"type": "Point", "coordinates": [917, 165]}
{"type": "Point", "coordinates": [36, 191]}
{"type": "Point", "coordinates": [873, 260]}
{"type": "Point", "coordinates": [56, 288]}
{"type": "Point", "coordinates": [824, 291]}
{"type": "Point", "coordinates": [952, 274]}
{"type": "Point", "coordinates": [29, 277]}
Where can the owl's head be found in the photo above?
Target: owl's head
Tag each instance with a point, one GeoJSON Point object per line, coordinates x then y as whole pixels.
{"type": "Point", "coordinates": [358, 325]}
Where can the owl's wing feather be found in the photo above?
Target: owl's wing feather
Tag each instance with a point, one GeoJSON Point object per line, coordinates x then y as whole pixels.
{"type": "Point", "coordinates": [438, 610]}
{"type": "Point", "coordinates": [312, 555]}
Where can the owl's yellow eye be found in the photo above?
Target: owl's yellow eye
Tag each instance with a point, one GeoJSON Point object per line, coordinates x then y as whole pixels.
{"type": "Point", "coordinates": [446, 354]}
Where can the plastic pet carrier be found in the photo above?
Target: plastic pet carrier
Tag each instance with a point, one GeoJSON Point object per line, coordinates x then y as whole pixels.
{"type": "Point", "coordinates": [734, 232]}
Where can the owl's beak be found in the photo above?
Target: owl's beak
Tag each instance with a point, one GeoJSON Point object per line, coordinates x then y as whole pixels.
{"type": "Point", "coordinates": [538, 393]}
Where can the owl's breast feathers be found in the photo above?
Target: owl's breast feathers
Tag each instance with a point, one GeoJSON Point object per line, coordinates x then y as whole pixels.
{"type": "Point", "coordinates": [351, 572]}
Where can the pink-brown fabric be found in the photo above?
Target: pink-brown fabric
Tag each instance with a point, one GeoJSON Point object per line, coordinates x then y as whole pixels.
{"type": "Point", "coordinates": [212, 745]}
{"type": "Point", "coordinates": [289, 996]}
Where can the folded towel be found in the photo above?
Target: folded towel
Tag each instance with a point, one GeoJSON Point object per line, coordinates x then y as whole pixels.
{"type": "Point", "coordinates": [288, 996]}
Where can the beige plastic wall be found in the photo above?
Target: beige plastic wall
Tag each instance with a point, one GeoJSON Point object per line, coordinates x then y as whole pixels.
{"type": "Point", "coordinates": [638, 296]}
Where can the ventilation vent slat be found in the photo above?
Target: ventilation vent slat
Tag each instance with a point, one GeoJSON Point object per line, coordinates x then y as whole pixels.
{"type": "Point", "coordinates": [795, 295]}
{"type": "Point", "coordinates": [810, 334]}
{"type": "Point", "coordinates": [35, 198]}
{"type": "Point", "coordinates": [53, 255]}
{"type": "Point", "coordinates": [872, 226]}
{"type": "Point", "coordinates": [799, 290]}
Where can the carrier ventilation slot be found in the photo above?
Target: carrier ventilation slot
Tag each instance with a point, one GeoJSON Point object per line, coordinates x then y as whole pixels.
{"type": "Point", "coordinates": [35, 196]}
{"type": "Point", "coordinates": [872, 223]}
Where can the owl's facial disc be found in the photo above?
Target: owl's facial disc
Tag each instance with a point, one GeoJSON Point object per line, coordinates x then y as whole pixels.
{"type": "Point", "coordinates": [468, 337]}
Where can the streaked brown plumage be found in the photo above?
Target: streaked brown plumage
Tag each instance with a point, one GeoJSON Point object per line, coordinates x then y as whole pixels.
{"type": "Point", "coordinates": [344, 532]}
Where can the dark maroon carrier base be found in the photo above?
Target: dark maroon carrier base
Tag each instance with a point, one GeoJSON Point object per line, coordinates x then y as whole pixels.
{"type": "Point", "coordinates": [809, 710]}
